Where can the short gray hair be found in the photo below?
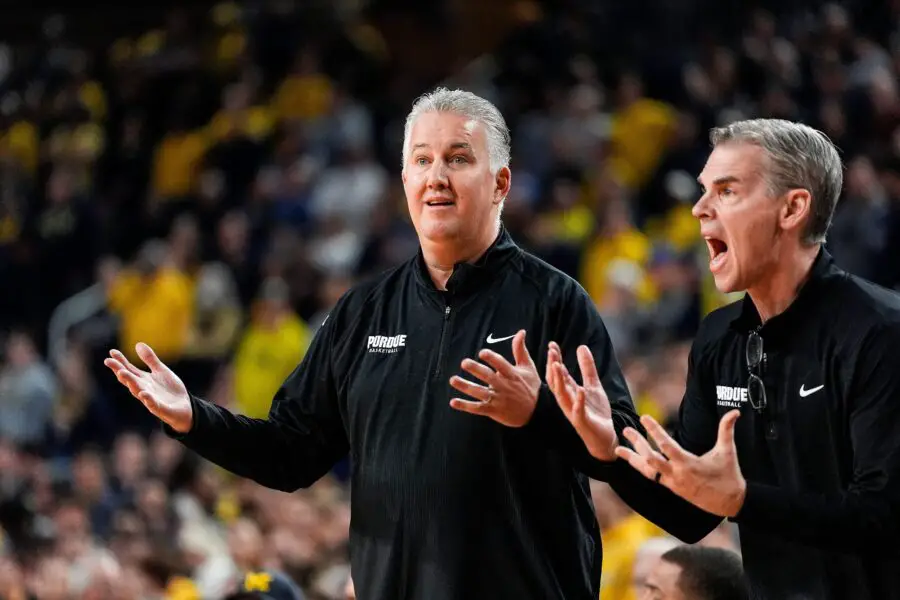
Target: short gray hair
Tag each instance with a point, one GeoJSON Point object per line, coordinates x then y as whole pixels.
{"type": "Point", "coordinates": [468, 105]}
{"type": "Point", "coordinates": [799, 157]}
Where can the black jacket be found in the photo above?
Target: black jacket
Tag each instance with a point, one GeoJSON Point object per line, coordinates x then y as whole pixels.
{"type": "Point", "coordinates": [445, 505]}
{"type": "Point", "coordinates": [821, 519]}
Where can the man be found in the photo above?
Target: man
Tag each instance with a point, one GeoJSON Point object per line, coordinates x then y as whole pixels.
{"type": "Point", "coordinates": [645, 559]}
{"type": "Point", "coordinates": [810, 471]}
{"type": "Point", "coordinates": [464, 485]}
{"type": "Point", "coordinates": [696, 573]}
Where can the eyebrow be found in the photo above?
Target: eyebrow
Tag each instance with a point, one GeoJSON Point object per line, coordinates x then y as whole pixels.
{"type": "Point", "coordinates": [722, 180]}
{"type": "Point", "coordinates": [453, 146]}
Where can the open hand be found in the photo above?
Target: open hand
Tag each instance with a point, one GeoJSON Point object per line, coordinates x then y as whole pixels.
{"type": "Point", "coordinates": [160, 390]}
{"type": "Point", "coordinates": [511, 392]}
{"type": "Point", "coordinates": [713, 482]}
{"type": "Point", "coordinates": [585, 406]}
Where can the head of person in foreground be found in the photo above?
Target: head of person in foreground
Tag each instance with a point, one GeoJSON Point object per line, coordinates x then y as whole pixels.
{"type": "Point", "coordinates": [696, 573]}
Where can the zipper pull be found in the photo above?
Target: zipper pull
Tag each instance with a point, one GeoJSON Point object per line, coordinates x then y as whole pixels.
{"type": "Point", "coordinates": [446, 313]}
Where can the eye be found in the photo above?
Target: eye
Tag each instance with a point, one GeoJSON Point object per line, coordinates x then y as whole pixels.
{"type": "Point", "coordinates": [421, 161]}
{"type": "Point", "coordinates": [726, 191]}
{"type": "Point", "coordinates": [459, 159]}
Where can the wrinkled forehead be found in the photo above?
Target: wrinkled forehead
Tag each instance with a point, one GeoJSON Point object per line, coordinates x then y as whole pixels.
{"type": "Point", "coordinates": [740, 161]}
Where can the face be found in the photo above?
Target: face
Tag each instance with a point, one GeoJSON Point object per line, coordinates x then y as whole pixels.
{"type": "Point", "coordinates": [744, 225]}
{"type": "Point", "coordinates": [451, 193]}
{"type": "Point", "coordinates": [662, 583]}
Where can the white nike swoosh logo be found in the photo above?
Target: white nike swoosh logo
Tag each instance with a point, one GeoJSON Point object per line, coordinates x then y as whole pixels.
{"type": "Point", "coordinates": [804, 392]}
{"type": "Point", "coordinates": [492, 340]}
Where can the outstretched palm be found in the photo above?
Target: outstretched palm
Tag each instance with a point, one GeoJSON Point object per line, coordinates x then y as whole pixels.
{"type": "Point", "coordinates": [160, 390]}
{"type": "Point", "coordinates": [586, 407]}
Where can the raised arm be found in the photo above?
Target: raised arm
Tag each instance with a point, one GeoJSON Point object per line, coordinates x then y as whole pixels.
{"type": "Point", "coordinates": [299, 442]}
{"type": "Point", "coordinates": [588, 417]}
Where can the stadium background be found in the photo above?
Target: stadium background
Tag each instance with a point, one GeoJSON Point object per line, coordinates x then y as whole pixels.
{"type": "Point", "coordinates": [209, 178]}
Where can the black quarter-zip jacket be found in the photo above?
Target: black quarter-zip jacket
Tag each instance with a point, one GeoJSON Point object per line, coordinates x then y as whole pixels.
{"type": "Point", "coordinates": [821, 518]}
{"type": "Point", "coordinates": [445, 505]}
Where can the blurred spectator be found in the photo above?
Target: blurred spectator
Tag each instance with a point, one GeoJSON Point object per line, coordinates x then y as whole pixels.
{"type": "Point", "coordinates": [646, 559]}
{"type": "Point", "coordinates": [697, 573]}
{"type": "Point", "coordinates": [154, 301]}
{"type": "Point", "coordinates": [27, 393]}
{"type": "Point", "coordinates": [272, 345]}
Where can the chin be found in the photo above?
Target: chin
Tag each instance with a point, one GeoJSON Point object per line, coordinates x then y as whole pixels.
{"type": "Point", "coordinates": [727, 283]}
{"type": "Point", "coordinates": [439, 231]}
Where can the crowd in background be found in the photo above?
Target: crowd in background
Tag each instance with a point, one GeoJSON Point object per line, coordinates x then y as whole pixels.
{"type": "Point", "coordinates": [211, 188]}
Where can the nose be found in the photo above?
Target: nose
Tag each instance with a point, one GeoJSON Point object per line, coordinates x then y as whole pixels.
{"type": "Point", "coordinates": [702, 208]}
{"type": "Point", "coordinates": [437, 176]}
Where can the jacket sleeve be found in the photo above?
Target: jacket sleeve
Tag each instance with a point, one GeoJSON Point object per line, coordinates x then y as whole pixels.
{"type": "Point", "coordinates": [300, 441]}
{"type": "Point", "coordinates": [865, 517]}
{"type": "Point", "coordinates": [698, 426]}
{"type": "Point", "coordinates": [581, 323]}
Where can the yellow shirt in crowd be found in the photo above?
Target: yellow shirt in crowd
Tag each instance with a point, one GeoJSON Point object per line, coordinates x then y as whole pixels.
{"type": "Point", "coordinates": [620, 545]}
{"type": "Point", "coordinates": [265, 357]}
{"type": "Point", "coordinates": [177, 163]}
{"type": "Point", "coordinates": [156, 310]}
{"type": "Point", "coordinates": [639, 137]}
{"type": "Point", "coordinates": [631, 245]}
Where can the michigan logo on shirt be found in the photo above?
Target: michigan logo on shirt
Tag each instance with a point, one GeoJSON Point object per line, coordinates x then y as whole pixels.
{"type": "Point", "coordinates": [257, 582]}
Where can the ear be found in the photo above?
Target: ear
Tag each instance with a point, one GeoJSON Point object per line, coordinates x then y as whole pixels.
{"type": "Point", "coordinates": [403, 175]}
{"type": "Point", "coordinates": [503, 180]}
{"type": "Point", "coordinates": [796, 210]}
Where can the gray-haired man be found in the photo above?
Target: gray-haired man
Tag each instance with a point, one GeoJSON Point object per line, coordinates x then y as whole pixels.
{"type": "Point", "coordinates": [809, 362]}
{"type": "Point", "coordinates": [479, 496]}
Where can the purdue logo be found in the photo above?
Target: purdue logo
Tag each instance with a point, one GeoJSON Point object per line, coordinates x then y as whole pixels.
{"type": "Point", "coordinates": [386, 344]}
{"type": "Point", "coordinates": [730, 397]}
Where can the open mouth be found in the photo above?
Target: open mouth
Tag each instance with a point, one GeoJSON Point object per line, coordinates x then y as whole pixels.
{"type": "Point", "coordinates": [440, 203]}
{"type": "Point", "coordinates": [718, 252]}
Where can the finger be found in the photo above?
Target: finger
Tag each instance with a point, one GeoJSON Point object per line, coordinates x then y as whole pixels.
{"type": "Point", "coordinates": [150, 358]}
{"type": "Point", "coordinates": [563, 395]}
{"type": "Point", "coordinates": [651, 462]}
{"type": "Point", "coordinates": [663, 440]}
{"type": "Point", "coordinates": [500, 364]}
{"type": "Point", "coordinates": [479, 392]}
{"type": "Point", "coordinates": [113, 365]}
{"type": "Point", "coordinates": [129, 380]}
{"type": "Point", "coordinates": [639, 442]}
{"type": "Point", "coordinates": [552, 358]}
{"type": "Point", "coordinates": [578, 408]}
{"type": "Point", "coordinates": [150, 403]}
{"type": "Point", "coordinates": [473, 367]}
{"type": "Point", "coordinates": [567, 378]}
{"type": "Point", "coordinates": [637, 462]}
{"type": "Point", "coordinates": [116, 366]}
{"type": "Point", "coordinates": [726, 428]}
{"type": "Point", "coordinates": [520, 350]}
{"type": "Point", "coordinates": [125, 362]}
{"type": "Point", "coordinates": [475, 408]}
{"type": "Point", "coordinates": [588, 367]}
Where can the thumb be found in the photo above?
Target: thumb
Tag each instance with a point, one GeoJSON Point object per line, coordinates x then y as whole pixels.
{"type": "Point", "coordinates": [149, 357]}
{"type": "Point", "coordinates": [726, 429]}
{"type": "Point", "coordinates": [520, 350]}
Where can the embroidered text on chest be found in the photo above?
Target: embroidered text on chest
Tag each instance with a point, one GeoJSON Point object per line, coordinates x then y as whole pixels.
{"type": "Point", "coordinates": [386, 344]}
{"type": "Point", "coordinates": [729, 396]}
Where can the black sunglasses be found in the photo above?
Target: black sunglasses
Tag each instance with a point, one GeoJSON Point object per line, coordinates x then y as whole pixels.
{"type": "Point", "coordinates": [756, 389]}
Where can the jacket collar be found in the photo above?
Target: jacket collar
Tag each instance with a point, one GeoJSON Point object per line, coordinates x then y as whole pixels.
{"type": "Point", "coordinates": [748, 318]}
{"type": "Point", "coordinates": [469, 277]}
